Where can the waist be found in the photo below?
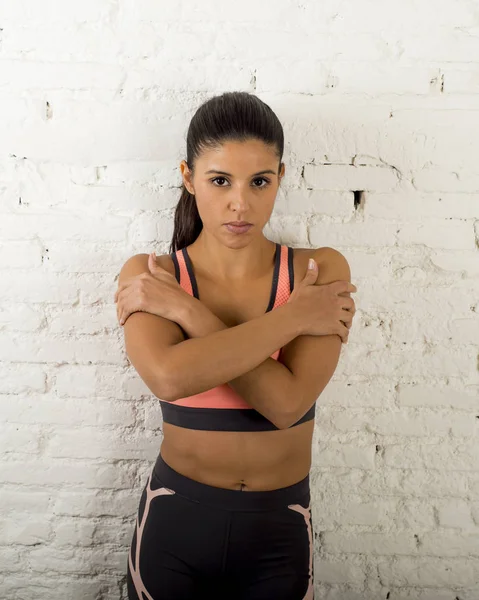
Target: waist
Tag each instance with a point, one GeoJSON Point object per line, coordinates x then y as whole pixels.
{"type": "Point", "coordinates": [252, 460]}
{"type": "Point", "coordinates": [228, 499]}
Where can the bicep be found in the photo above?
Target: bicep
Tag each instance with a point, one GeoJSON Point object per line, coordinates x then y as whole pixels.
{"type": "Point", "coordinates": [148, 337]}
{"type": "Point", "coordinates": [313, 359]}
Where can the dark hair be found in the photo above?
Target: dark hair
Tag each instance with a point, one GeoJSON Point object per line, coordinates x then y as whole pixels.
{"type": "Point", "coordinates": [233, 116]}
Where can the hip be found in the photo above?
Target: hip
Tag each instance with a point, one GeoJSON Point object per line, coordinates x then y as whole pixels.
{"type": "Point", "coordinates": [195, 540]}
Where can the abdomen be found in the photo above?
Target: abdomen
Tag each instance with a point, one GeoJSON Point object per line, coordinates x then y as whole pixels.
{"type": "Point", "coordinates": [257, 460]}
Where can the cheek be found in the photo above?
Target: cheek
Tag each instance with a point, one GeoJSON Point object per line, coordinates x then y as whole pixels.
{"type": "Point", "coordinates": [207, 211]}
{"type": "Point", "coordinates": [267, 204]}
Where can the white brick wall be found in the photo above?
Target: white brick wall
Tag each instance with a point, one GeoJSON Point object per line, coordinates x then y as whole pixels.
{"type": "Point", "coordinates": [376, 96]}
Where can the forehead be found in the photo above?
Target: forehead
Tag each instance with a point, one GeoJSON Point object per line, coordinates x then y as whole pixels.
{"type": "Point", "coordinates": [237, 157]}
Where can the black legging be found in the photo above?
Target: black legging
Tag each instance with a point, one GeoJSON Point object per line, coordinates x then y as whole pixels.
{"type": "Point", "coordinates": [193, 540]}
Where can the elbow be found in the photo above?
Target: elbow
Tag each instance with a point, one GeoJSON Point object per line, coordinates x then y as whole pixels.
{"type": "Point", "coordinates": [285, 420]}
{"type": "Point", "coordinates": [290, 418]}
{"type": "Point", "coordinates": [285, 423]}
{"type": "Point", "coordinates": [166, 388]}
{"type": "Point", "coordinates": [166, 395]}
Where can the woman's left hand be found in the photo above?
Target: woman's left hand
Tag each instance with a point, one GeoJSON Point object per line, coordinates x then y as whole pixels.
{"type": "Point", "coordinates": [156, 292]}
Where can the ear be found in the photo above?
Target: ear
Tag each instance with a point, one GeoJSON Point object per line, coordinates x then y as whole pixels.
{"type": "Point", "coordinates": [186, 174]}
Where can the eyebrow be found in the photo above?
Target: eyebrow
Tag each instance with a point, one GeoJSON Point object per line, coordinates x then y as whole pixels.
{"type": "Point", "coordinates": [254, 174]}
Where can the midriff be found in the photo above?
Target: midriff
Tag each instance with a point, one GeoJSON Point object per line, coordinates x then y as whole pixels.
{"type": "Point", "coordinates": [240, 460]}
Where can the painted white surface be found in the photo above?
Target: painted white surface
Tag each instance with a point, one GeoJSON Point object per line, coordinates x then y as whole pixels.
{"type": "Point", "coordinates": [378, 96]}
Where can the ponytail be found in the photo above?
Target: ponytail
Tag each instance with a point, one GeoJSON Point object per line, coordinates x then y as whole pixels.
{"type": "Point", "coordinates": [188, 224]}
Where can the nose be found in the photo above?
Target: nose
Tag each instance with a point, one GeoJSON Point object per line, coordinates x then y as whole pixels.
{"type": "Point", "coordinates": [240, 202]}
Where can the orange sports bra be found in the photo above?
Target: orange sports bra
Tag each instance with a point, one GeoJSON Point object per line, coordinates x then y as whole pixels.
{"type": "Point", "coordinates": [221, 408]}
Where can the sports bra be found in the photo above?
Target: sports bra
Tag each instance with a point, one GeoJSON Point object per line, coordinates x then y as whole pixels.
{"type": "Point", "coordinates": [221, 408]}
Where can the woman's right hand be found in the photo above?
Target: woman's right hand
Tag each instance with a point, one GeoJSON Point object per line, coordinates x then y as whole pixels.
{"type": "Point", "coordinates": [154, 291]}
{"type": "Point", "coordinates": [320, 308]}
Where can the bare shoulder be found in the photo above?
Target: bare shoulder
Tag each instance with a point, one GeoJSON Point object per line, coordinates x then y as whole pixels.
{"type": "Point", "coordinates": [139, 263]}
{"type": "Point", "coordinates": [149, 337]}
{"type": "Point", "coordinates": [332, 264]}
{"type": "Point", "coordinates": [165, 262]}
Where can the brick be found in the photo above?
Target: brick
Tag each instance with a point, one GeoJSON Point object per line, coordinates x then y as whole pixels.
{"type": "Point", "coordinates": [47, 409]}
{"type": "Point", "coordinates": [53, 11]}
{"type": "Point", "coordinates": [455, 513]}
{"type": "Point", "coordinates": [445, 456]}
{"type": "Point", "coordinates": [311, 202]}
{"type": "Point", "coordinates": [343, 455]}
{"type": "Point", "coordinates": [405, 422]}
{"type": "Point", "coordinates": [439, 543]}
{"type": "Point", "coordinates": [437, 233]}
{"type": "Point", "coordinates": [348, 178]}
{"type": "Point", "coordinates": [413, 206]}
{"type": "Point", "coordinates": [17, 439]}
{"type": "Point", "coordinates": [338, 571]}
{"type": "Point", "coordinates": [352, 234]}
{"type": "Point", "coordinates": [437, 396]}
{"type": "Point", "coordinates": [429, 571]}
{"type": "Point", "coordinates": [24, 532]}
{"type": "Point", "coordinates": [96, 442]}
{"type": "Point", "coordinates": [438, 180]}
{"type": "Point", "coordinates": [369, 543]}
{"type": "Point", "coordinates": [56, 472]}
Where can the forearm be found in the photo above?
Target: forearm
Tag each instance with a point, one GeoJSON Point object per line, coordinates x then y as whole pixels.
{"type": "Point", "coordinates": [224, 354]}
{"type": "Point", "coordinates": [269, 387]}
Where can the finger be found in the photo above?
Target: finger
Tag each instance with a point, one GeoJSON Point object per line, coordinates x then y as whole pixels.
{"type": "Point", "coordinates": [129, 303]}
{"type": "Point", "coordinates": [344, 286]}
{"type": "Point", "coordinates": [120, 289]}
{"type": "Point", "coordinates": [126, 309]}
{"type": "Point", "coordinates": [152, 261]}
{"type": "Point", "coordinates": [119, 312]}
{"type": "Point", "coordinates": [125, 284]}
{"type": "Point", "coordinates": [154, 266]}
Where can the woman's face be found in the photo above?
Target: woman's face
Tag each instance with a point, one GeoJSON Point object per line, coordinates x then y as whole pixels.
{"type": "Point", "coordinates": [236, 182]}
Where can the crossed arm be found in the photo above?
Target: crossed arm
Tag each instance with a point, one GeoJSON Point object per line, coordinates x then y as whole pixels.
{"type": "Point", "coordinates": [305, 365]}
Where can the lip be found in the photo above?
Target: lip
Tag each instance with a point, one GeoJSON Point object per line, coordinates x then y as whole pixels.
{"type": "Point", "coordinates": [238, 223]}
{"type": "Point", "coordinates": [233, 228]}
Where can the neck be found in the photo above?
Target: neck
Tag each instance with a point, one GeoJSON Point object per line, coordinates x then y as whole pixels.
{"type": "Point", "coordinates": [230, 265]}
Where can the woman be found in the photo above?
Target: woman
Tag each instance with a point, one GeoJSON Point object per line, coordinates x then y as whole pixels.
{"type": "Point", "coordinates": [237, 338]}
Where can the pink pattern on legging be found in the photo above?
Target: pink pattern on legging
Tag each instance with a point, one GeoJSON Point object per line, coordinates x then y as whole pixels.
{"type": "Point", "coordinates": [306, 512]}
{"type": "Point", "coordinates": [135, 569]}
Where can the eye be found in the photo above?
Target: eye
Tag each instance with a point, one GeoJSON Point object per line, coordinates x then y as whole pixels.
{"type": "Point", "coordinates": [215, 178]}
{"type": "Point", "coordinates": [256, 179]}
{"type": "Point", "coordinates": [262, 179]}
